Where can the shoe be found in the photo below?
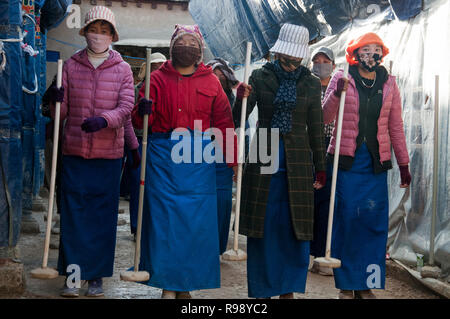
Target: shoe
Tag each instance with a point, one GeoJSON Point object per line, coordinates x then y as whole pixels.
{"type": "Point", "coordinates": [289, 295]}
{"type": "Point", "coordinates": [365, 294]}
{"type": "Point", "coordinates": [315, 268]}
{"type": "Point", "coordinates": [70, 292]}
{"type": "Point", "coordinates": [95, 288]}
{"type": "Point", "coordinates": [324, 271]}
{"type": "Point", "coordinates": [183, 295]}
{"type": "Point", "coordinates": [346, 294]}
{"type": "Point", "coordinates": [168, 294]}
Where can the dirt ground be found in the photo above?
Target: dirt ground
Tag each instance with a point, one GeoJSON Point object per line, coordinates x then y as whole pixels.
{"type": "Point", "coordinates": [234, 277]}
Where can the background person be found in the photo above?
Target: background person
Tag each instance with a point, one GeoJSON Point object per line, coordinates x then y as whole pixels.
{"type": "Point", "coordinates": [224, 173]}
{"type": "Point", "coordinates": [322, 66]}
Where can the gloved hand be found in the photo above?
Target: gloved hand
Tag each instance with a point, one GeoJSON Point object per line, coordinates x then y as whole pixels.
{"type": "Point", "coordinates": [321, 179]}
{"type": "Point", "coordinates": [342, 85]}
{"type": "Point", "coordinates": [93, 124]}
{"type": "Point", "coordinates": [243, 90]}
{"type": "Point", "coordinates": [145, 107]}
{"type": "Point", "coordinates": [55, 94]}
{"type": "Point", "coordinates": [405, 176]}
{"type": "Point", "coordinates": [136, 158]}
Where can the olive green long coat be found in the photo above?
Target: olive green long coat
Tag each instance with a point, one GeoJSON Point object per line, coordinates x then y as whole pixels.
{"type": "Point", "coordinates": [303, 147]}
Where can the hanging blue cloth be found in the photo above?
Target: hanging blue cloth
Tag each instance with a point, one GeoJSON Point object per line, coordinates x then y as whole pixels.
{"type": "Point", "coordinates": [180, 240]}
{"type": "Point", "coordinates": [224, 186]}
{"type": "Point", "coordinates": [89, 208]}
{"type": "Point", "coordinates": [277, 263]}
{"type": "Point", "coordinates": [360, 225]}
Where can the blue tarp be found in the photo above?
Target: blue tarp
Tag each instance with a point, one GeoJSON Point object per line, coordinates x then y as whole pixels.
{"type": "Point", "coordinates": [53, 13]}
{"type": "Point", "coordinates": [226, 27]}
{"type": "Point", "coordinates": [22, 126]}
{"type": "Point", "coordinates": [11, 107]}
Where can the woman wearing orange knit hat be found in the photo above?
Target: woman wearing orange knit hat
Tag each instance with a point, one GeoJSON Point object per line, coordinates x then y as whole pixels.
{"type": "Point", "coordinates": [372, 122]}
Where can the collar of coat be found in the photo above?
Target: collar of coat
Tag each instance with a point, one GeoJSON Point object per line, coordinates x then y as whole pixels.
{"type": "Point", "coordinates": [201, 70]}
{"type": "Point", "coordinates": [271, 79]}
{"type": "Point", "coordinates": [113, 59]}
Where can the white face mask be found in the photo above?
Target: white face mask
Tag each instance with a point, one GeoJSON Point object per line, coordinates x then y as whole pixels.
{"type": "Point", "coordinates": [98, 43]}
{"type": "Point", "coordinates": [322, 70]}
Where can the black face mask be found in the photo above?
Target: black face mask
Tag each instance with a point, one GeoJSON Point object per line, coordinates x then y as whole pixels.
{"type": "Point", "coordinates": [290, 63]}
{"type": "Point", "coordinates": [376, 57]}
{"type": "Point", "coordinates": [185, 56]}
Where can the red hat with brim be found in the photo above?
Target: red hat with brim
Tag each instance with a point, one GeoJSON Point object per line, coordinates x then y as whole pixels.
{"type": "Point", "coordinates": [368, 38]}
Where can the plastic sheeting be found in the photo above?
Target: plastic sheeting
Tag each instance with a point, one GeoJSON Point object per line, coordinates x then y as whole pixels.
{"type": "Point", "coordinates": [228, 26]}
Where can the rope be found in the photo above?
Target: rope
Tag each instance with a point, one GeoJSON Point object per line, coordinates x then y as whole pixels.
{"type": "Point", "coordinates": [3, 55]}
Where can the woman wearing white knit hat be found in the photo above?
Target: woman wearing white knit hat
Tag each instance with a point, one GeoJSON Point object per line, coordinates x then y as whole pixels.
{"type": "Point", "coordinates": [277, 210]}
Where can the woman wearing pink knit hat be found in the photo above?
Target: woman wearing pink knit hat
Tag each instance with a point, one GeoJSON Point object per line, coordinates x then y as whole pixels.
{"type": "Point", "coordinates": [97, 97]}
{"type": "Point", "coordinates": [180, 240]}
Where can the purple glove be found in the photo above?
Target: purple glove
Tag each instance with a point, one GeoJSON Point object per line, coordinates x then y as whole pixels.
{"type": "Point", "coordinates": [339, 87]}
{"type": "Point", "coordinates": [93, 124]}
{"type": "Point", "coordinates": [145, 107]}
{"type": "Point", "coordinates": [405, 176]}
{"type": "Point", "coordinates": [136, 158]}
{"type": "Point", "coordinates": [55, 94]}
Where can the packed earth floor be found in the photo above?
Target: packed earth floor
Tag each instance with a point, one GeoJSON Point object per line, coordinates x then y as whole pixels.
{"type": "Point", "coordinates": [233, 273]}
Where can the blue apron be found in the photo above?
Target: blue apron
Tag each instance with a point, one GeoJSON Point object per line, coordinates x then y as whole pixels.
{"type": "Point", "coordinates": [89, 208]}
{"type": "Point", "coordinates": [360, 225]}
{"type": "Point", "coordinates": [180, 241]}
{"type": "Point", "coordinates": [224, 185]}
{"type": "Point", "coordinates": [277, 263]}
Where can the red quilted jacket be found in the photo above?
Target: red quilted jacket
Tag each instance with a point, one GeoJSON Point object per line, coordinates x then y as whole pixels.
{"type": "Point", "coordinates": [178, 101]}
{"type": "Point", "coordinates": [108, 92]}
{"type": "Point", "coordinates": [390, 123]}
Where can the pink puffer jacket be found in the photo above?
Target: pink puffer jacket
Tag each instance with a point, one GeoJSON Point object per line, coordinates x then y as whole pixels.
{"type": "Point", "coordinates": [390, 123]}
{"type": "Point", "coordinates": [108, 92]}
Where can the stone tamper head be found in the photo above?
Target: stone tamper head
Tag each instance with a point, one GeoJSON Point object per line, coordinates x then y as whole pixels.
{"type": "Point", "coordinates": [234, 255]}
{"type": "Point", "coordinates": [135, 276]}
{"type": "Point", "coordinates": [328, 262]}
{"type": "Point", "coordinates": [44, 273]}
